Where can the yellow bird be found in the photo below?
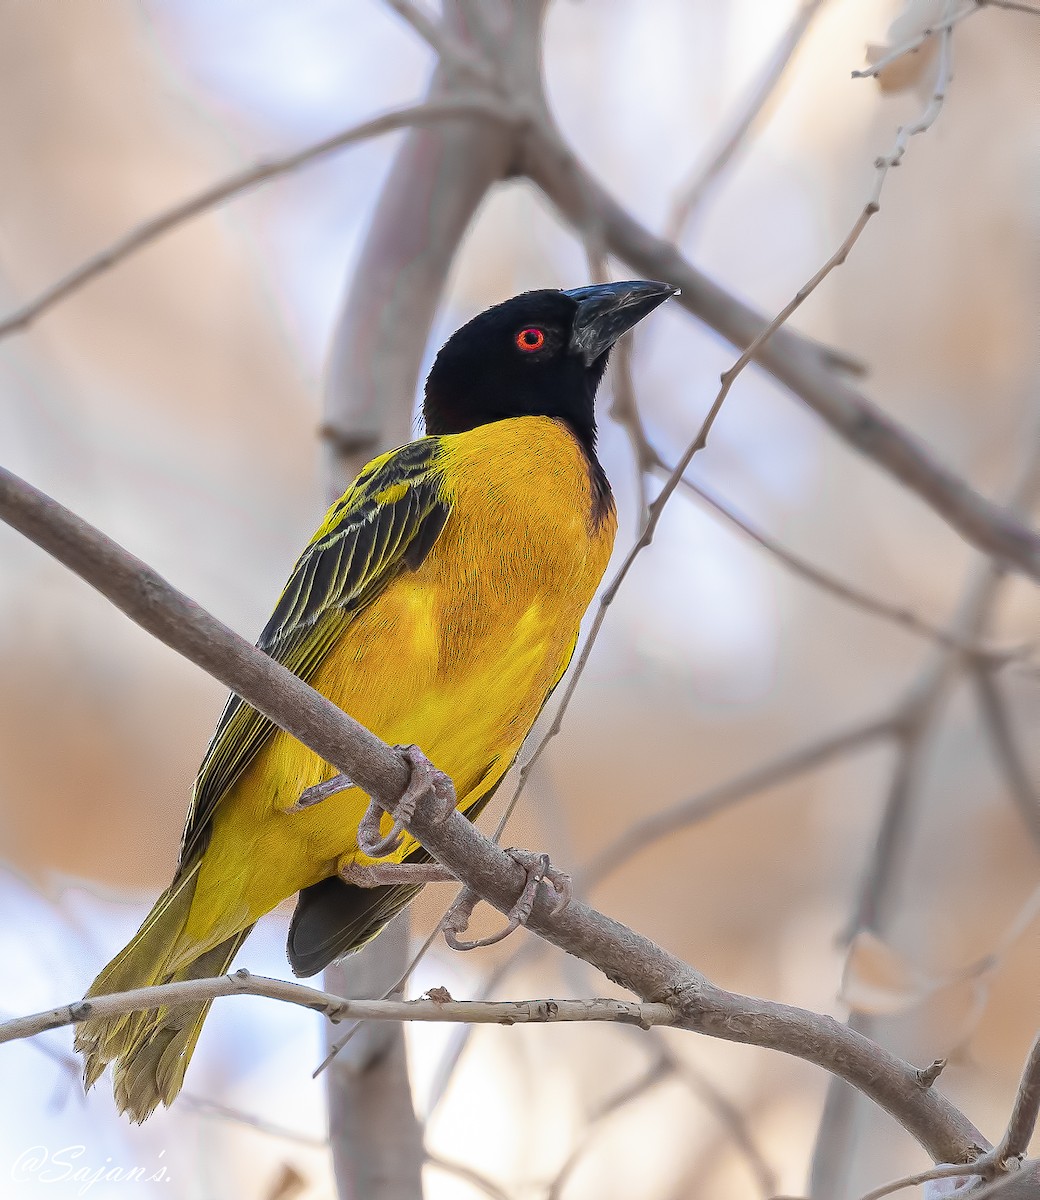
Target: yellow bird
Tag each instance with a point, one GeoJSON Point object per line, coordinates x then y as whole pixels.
{"type": "Point", "coordinates": [439, 605]}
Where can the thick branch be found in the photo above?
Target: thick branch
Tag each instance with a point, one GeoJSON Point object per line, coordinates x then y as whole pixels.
{"type": "Point", "coordinates": [626, 957]}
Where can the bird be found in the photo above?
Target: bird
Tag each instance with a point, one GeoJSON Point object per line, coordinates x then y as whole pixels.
{"type": "Point", "coordinates": [439, 604]}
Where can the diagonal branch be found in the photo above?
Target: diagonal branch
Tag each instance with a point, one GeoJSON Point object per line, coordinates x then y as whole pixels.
{"type": "Point", "coordinates": [648, 830]}
{"type": "Point", "coordinates": [998, 725]}
{"type": "Point", "coordinates": [896, 614]}
{"type": "Point", "coordinates": [433, 111]}
{"type": "Point", "coordinates": [757, 344]}
{"type": "Point", "coordinates": [625, 410]}
{"type": "Point", "coordinates": [471, 1176]}
{"type": "Point", "coordinates": [750, 112]}
{"type": "Point", "coordinates": [625, 956]}
{"type": "Point", "coordinates": [1024, 1113]}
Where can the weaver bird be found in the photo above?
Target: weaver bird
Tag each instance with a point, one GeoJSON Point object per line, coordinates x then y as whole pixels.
{"type": "Point", "coordinates": [438, 604]}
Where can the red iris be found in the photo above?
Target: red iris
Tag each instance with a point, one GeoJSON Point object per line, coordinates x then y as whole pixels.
{"type": "Point", "coordinates": [529, 340]}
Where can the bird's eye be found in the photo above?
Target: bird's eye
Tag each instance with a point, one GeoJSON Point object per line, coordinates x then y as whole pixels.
{"type": "Point", "coordinates": [530, 340]}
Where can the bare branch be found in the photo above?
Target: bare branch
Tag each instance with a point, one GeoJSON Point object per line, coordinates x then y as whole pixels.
{"type": "Point", "coordinates": [237, 184]}
{"type": "Point", "coordinates": [625, 956]}
{"type": "Point", "coordinates": [897, 614]}
{"type": "Point", "coordinates": [648, 830]}
{"type": "Point", "coordinates": [224, 1112]}
{"type": "Point", "coordinates": [997, 722]}
{"type": "Point", "coordinates": [659, 1071]}
{"type": "Point", "coordinates": [943, 1171]}
{"type": "Point", "coordinates": [462, 1171]}
{"type": "Point", "coordinates": [337, 1008]}
{"type": "Point", "coordinates": [728, 378]}
{"type": "Point", "coordinates": [793, 360]}
{"type": "Point", "coordinates": [1015, 1141]}
{"type": "Point", "coordinates": [1011, 6]}
{"type": "Point", "coordinates": [913, 44]}
{"type": "Point", "coordinates": [693, 190]}
{"type": "Point", "coordinates": [452, 51]}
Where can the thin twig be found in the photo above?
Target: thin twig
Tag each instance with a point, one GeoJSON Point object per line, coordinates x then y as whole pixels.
{"type": "Point", "coordinates": [841, 589]}
{"type": "Point", "coordinates": [692, 192]}
{"type": "Point", "coordinates": [236, 185]}
{"type": "Point", "coordinates": [943, 1171]}
{"type": "Point", "coordinates": [795, 361]}
{"type": "Point", "coordinates": [643, 833]}
{"type": "Point", "coordinates": [398, 987]}
{"type": "Point", "coordinates": [473, 1177]}
{"type": "Point", "coordinates": [213, 1108]}
{"type": "Point", "coordinates": [882, 165]}
{"type": "Point", "coordinates": [336, 1008]}
{"type": "Point", "coordinates": [449, 49]}
{"type": "Point", "coordinates": [1022, 1123]}
{"type": "Point", "coordinates": [625, 411]}
{"type": "Point", "coordinates": [648, 830]}
{"type": "Point", "coordinates": [658, 1072]}
{"type": "Point", "coordinates": [942, 27]}
{"type": "Point", "coordinates": [998, 724]}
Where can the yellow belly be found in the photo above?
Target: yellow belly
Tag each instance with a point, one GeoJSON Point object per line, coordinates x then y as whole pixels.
{"type": "Point", "coordinates": [456, 657]}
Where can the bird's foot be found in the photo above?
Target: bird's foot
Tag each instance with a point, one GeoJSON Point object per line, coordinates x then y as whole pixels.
{"type": "Point", "coordinates": [538, 870]}
{"type": "Point", "coordinates": [425, 783]}
{"type": "Point", "coordinates": [321, 791]}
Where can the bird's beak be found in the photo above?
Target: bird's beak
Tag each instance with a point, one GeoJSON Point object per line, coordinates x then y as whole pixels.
{"type": "Point", "coordinates": [607, 310]}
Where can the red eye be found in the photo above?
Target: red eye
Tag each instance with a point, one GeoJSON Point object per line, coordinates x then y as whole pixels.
{"type": "Point", "coordinates": [529, 340]}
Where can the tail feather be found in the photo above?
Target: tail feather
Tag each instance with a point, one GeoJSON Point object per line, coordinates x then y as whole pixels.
{"type": "Point", "coordinates": [333, 918]}
{"type": "Point", "coordinates": [141, 963]}
{"type": "Point", "coordinates": [150, 1070]}
{"type": "Point", "coordinates": [151, 1049]}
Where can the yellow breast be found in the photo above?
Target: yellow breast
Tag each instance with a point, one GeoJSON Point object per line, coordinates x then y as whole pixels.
{"type": "Point", "coordinates": [456, 657]}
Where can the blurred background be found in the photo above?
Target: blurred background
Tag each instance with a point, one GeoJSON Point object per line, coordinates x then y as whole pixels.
{"type": "Point", "coordinates": [175, 403]}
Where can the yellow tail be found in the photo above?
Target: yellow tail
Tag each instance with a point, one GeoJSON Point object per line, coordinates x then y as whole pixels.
{"type": "Point", "coordinates": [151, 1050]}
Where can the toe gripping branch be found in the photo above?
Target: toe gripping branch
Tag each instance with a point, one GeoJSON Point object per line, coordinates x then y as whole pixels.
{"type": "Point", "coordinates": [538, 870]}
{"type": "Point", "coordinates": [425, 783]}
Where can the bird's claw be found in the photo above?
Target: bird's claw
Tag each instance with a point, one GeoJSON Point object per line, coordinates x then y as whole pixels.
{"type": "Point", "coordinates": [538, 869]}
{"type": "Point", "coordinates": [321, 791]}
{"type": "Point", "coordinates": [425, 782]}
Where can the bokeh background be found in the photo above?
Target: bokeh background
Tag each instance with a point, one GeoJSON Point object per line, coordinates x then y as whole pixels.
{"type": "Point", "coordinates": [175, 403]}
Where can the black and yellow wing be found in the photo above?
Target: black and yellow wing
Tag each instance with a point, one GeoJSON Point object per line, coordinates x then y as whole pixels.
{"type": "Point", "coordinates": [385, 523]}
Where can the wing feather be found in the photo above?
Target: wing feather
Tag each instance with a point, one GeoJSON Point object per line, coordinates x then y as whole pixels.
{"type": "Point", "coordinates": [387, 522]}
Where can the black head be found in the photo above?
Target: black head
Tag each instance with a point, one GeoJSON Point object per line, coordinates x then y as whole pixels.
{"type": "Point", "coordinates": [539, 354]}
